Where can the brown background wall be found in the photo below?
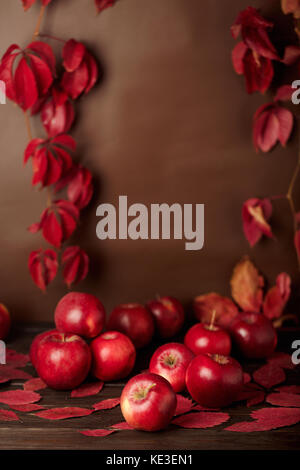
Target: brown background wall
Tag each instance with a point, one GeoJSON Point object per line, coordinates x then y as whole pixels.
{"type": "Point", "coordinates": [171, 122]}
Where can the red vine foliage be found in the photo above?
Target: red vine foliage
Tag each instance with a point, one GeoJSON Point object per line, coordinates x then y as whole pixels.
{"type": "Point", "coordinates": [31, 80]}
{"type": "Point", "coordinates": [254, 57]}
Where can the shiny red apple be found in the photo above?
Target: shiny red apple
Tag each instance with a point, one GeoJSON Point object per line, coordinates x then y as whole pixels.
{"type": "Point", "coordinates": [168, 315]}
{"type": "Point", "coordinates": [214, 381]}
{"type": "Point", "coordinates": [5, 322]}
{"type": "Point", "coordinates": [113, 356]}
{"type": "Point", "coordinates": [171, 361]}
{"type": "Point", "coordinates": [148, 402]}
{"type": "Point", "coordinates": [203, 338]}
{"type": "Point", "coordinates": [35, 345]}
{"type": "Point", "coordinates": [254, 335]}
{"type": "Point", "coordinates": [63, 360]}
{"type": "Point", "coordinates": [80, 314]}
{"type": "Point", "coordinates": [135, 321]}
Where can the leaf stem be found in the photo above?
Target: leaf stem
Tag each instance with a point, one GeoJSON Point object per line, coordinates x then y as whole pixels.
{"type": "Point", "coordinates": [39, 22]}
{"type": "Point", "coordinates": [49, 36]}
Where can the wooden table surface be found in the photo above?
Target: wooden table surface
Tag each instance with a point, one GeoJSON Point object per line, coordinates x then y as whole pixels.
{"type": "Point", "coordinates": [33, 432]}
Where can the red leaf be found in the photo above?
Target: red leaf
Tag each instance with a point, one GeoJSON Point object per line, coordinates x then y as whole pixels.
{"type": "Point", "coordinates": [34, 384]}
{"type": "Point", "coordinates": [43, 266]}
{"type": "Point", "coordinates": [277, 297]}
{"type": "Point", "coordinates": [184, 405]}
{"type": "Point", "coordinates": [15, 359]}
{"type": "Point", "coordinates": [25, 86]}
{"type": "Point", "coordinates": [106, 404]}
{"type": "Point", "coordinates": [256, 399]}
{"type": "Point", "coordinates": [255, 214]}
{"type": "Point", "coordinates": [246, 286]}
{"type": "Point", "coordinates": [74, 83]}
{"type": "Point", "coordinates": [80, 187]}
{"type": "Point", "coordinates": [96, 432]}
{"type": "Point", "coordinates": [288, 389]}
{"type": "Point", "coordinates": [122, 426]}
{"type": "Point", "coordinates": [284, 93]}
{"type": "Point", "coordinates": [27, 408]}
{"type": "Point", "coordinates": [269, 375]}
{"type": "Point", "coordinates": [201, 420]}
{"type": "Point", "coordinates": [103, 4]}
{"type": "Point", "coordinates": [258, 71]}
{"type": "Point", "coordinates": [225, 309]}
{"type": "Point", "coordinates": [73, 53]}
{"type": "Point", "coordinates": [271, 125]}
{"type": "Point", "coordinates": [291, 55]}
{"type": "Point", "coordinates": [6, 415]}
{"type": "Point", "coordinates": [284, 399]}
{"type": "Point", "coordinates": [81, 69]}
{"type": "Point", "coordinates": [87, 390]}
{"type": "Point", "coordinates": [76, 265]}
{"type": "Point", "coordinates": [247, 378]}
{"type": "Point", "coordinates": [19, 397]}
{"type": "Point", "coordinates": [64, 413]}
{"type": "Point", "coordinates": [8, 373]}
{"type": "Point", "coordinates": [267, 419]}
{"type": "Point", "coordinates": [280, 359]}
{"type": "Point", "coordinates": [57, 113]}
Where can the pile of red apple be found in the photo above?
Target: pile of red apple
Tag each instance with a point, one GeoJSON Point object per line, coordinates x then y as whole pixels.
{"type": "Point", "coordinates": [202, 365]}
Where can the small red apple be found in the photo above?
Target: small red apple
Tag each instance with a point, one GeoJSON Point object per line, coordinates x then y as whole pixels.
{"type": "Point", "coordinates": [168, 315]}
{"type": "Point", "coordinates": [148, 402]}
{"type": "Point", "coordinates": [113, 356]}
{"type": "Point", "coordinates": [171, 361]}
{"type": "Point", "coordinates": [203, 338]}
{"type": "Point", "coordinates": [214, 381]}
{"type": "Point", "coordinates": [35, 345]}
{"type": "Point", "coordinates": [5, 322]}
{"type": "Point", "coordinates": [135, 321]}
{"type": "Point", "coordinates": [80, 314]}
{"type": "Point", "coordinates": [63, 361]}
{"type": "Point", "coordinates": [254, 335]}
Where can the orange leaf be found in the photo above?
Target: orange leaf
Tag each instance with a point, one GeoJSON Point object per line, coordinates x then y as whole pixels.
{"type": "Point", "coordinates": [246, 286]}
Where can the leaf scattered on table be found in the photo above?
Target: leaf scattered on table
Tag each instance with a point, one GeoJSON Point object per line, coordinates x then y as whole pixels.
{"type": "Point", "coordinates": [106, 404]}
{"type": "Point", "coordinates": [6, 415]}
{"type": "Point", "coordinates": [267, 419]}
{"type": "Point", "coordinates": [27, 408]}
{"type": "Point", "coordinates": [87, 390]}
{"type": "Point", "coordinates": [281, 359]}
{"type": "Point", "coordinates": [122, 426]}
{"type": "Point", "coordinates": [64, 413]}
{"type": "Point", "coordinates": [201, 420]}
{"type": "Point", "coordinates": [203, 408]}
{"type": "Point", "coordinates": [15, 359]}
{"type": "Point", "coordinates": [34, 384]}
{"type": "Point", "coordinates": [257, 398]}
{"type": "Point", "coordinates": [288, 388]}
{"type": "Point", "coordinates": [269, 375]}
{"type": "Point", "coordinates": [96, 432]}
{"type": "Point", "coordinates": [8, 373]}
{"type": "Point", "coordinates": [247, 378]}
{"type": "Point", "coordinates": [19, 397]}
{"type": "Point", "coordinates": [183, 405]}
{"type": "Point", "coordinates": [284, 399]}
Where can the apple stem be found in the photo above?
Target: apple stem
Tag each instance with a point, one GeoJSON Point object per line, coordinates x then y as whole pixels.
{"type": "Point", "coordinates": [212, 321]}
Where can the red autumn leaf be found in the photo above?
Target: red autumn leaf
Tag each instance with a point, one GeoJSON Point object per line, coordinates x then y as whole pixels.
{"type": "Point", "coordinates": [184, 405]}
{"type": "Point", "coordinates": [276, 298]}
{"type": "Point", "coordinates": [267, 419]}
{"type": "Point", "coordinates": [43, 267]}
{"type": "Point", "coordinates": [271, 124]}
{"type": "Point", "coordinates": [51, 158]}
{"type": "Point", "coordinates": [291, 55]}
{"type": "Point", "coordinates": [27, 408]}
{"type": "Point", "coordinates": [103, 4]}
{"type": "Point", "coordinates": [246, 286]}
{"type": "Point", "coordinates": [201, 420]}
{"type": "Point", "coordinates": [284, 399]}
{"type": "Point", "coordinates": [204, 305]}
{"type": "Point", "coordinates": [15, 359]}
{"type": "Point", "coordinates": [32, 77]}
{"type": "Point", "coordinates": [81, 70]}
{"type": "Point", "coordinates": [106, 404]}
{"type": "Point", "coordinates": [122, 426]}
{"type": "Point", "coordinates": [269, 375]}
{"type": "Point", "coordinates": [87, 390]}
{"type": "Point", "coordinates": [19, 397]}
{"type": "Point", "coordinates": [80, 187]}
{"type": "Point", "coordinates": [203, 408]}
{"type": "Point", "coordinates": [252, 394]}
{"type": "Point", "coordinates": [34, 384]}
{"type": "Point", "coordinates": [64, 413]}
{"type": "Point", "coordinates": [291, 6]}
{"type": "Point", "coordinates": [28, 3]}
{"type": "Point", "coordinates": [255, 214]}
{"type": "Point", "coordinates": [96, 432]}
{"type": "Point", "coordinates": [247, 378]}
{"type": "Point", "coordinates": [289, 389]}
{"type": "Point", "coordinates": [256, 399]}
{"type": "Point", "coordinates": [283, 360]}
{"type": "Point", "coordinates": [284, 93]}
{"type": "Point", "coordinates": [57, 222]}
{"type": "Point", "coordinates": [8, 373]}
{"type": "Point", "coordinates": [76, 265]}
{"type": "Point", "coordinates": [6, 415]}
{"type": "Point", "coordinates": [57, 113]}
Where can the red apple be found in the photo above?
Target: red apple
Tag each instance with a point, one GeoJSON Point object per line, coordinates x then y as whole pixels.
{"type": "Point", "coordinates": [168, 316]}
{"type": "Point", "coordinates": [214, 381]}
{"type": "Point", "coordinates": [5, 322]}
{"type": "Point", "coordinates": [63, 360]}
{"type": "Point", "coordinates": [171, 361]}
{"type": "Point", "coordinates": [148, 402]}
{"type": "Point", "coordinates": [134, 321]}
{"type": "Point", "coordinates": [203, 338]}
{"type": "Point", "coordinates": [80, 314]}
{"type": "Point", "coordinates": [35, 345]}
{"type": "Point", "coordinates": [254, 335]}
{"type": "Point", "coordinates": [113, 356]}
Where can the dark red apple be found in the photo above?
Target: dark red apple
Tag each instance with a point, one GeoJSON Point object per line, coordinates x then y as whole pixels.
{"type": "Point", "coordinates": [214, 381]}
{"type": "Point", "coordinates": [35, 345]}
{"type": "Point", "coordinates": [168, 315]}
{"type": "Point", "coordinates": [254, 335]}
{"type": "Point", "coordinates": [203, 338]}
{"type": "Point", "coordinates": [148, 402]}
{"type": "Point", "coordinates": [113, 356]}
{"type": "Point", "coordinates": [80, 314]}
{"type": "Point", "coordinates": [5, 322]}
{"type": "Point", "coordinates": [171, 361]}
{"type": "Point", "coordinates": [135, 321]}
{"type": "Point", "coordinates": [63, 360]}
